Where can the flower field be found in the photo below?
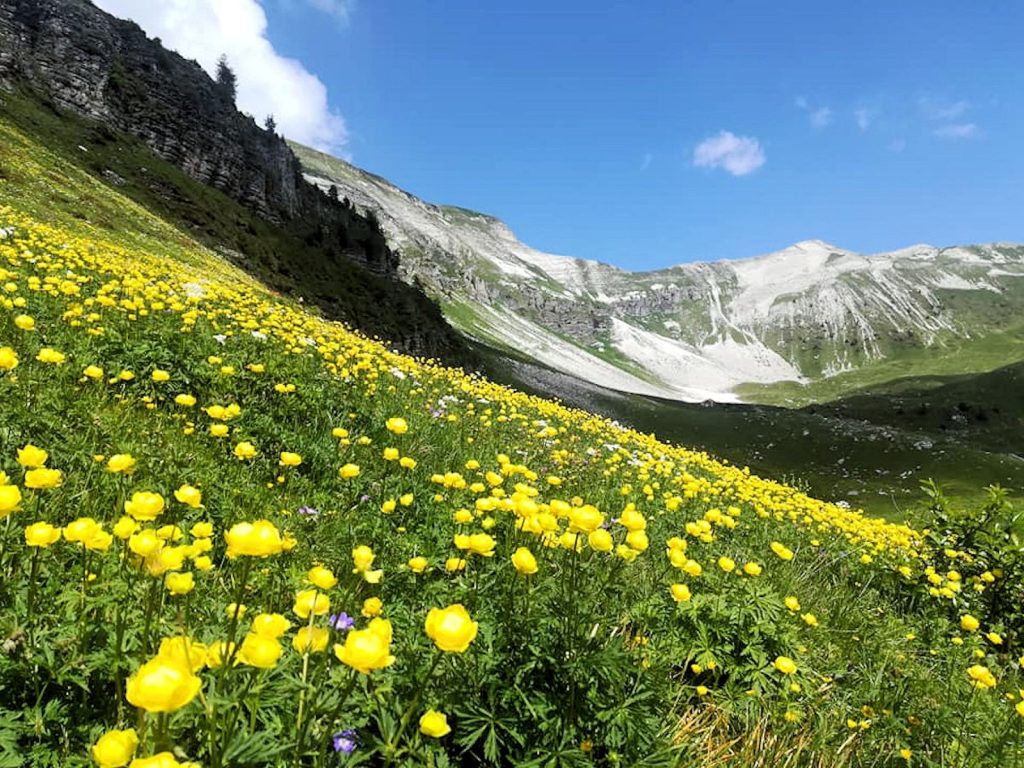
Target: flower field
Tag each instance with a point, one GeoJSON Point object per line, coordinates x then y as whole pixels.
{"type": "Point", "coordinates": [236, 534]}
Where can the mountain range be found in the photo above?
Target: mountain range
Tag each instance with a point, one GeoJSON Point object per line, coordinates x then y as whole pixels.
{"type": "Point", "coordinates": [799, 325]}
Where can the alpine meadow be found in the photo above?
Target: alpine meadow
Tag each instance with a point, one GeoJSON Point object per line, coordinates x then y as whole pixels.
{"type": "Point", "coordinates": [289, 478]}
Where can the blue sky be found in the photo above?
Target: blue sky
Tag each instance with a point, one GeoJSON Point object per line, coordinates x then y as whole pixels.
{"type": "Point", "coordinates": [871, 125]}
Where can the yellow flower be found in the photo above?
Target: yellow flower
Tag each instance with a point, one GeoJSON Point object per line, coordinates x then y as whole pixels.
{"type": "Point", "coordinates": [219, 430]}
{"type": "Point", "coordinates": [792, 603]}
{"type": "Point", "coordinates": [702, 690]}
{"type": "Point", "coordinates": [752, 569]}
{"type": "Point", "coordinates": [312, 639]}
{"type": "Point", "coordinates": [367, 649]}
{"type": "Point", "coordinates": [524, 561]}
{"type": "Point", "coordinates": [289, 459]}
{"type": "Point", "coordinates": [726, 564]}
{"type": "Point", "coordinates": [680, 593]}
{"type": "Point", "coordinates": [451, 628]}
{"type": "Point", "coordinates": [93, 372]}
{"type": "Point", "coordinates": [407, 462]}
{"type": "Point", "coordinates": [481, 544]}
{"type": "Point", "coordinates": [417, 564]}
{"type": "Point", "coordinates": [52, 356]}
{"type": "Point", "coordinates": [125, 527]}
{"type": "Point", "coordinates": [41, 534]}
{"type": "Point", "coordinates": [453, 564]}
{"type": "Point", "coordinates": [981, 677]}
{"type": "Point", "coordinates": [995, 638]}
{"type": "Point", "coordinates": [397, 425]}
{"type": "Point", "coordinates": [121, 462]}
{"type": "Point", "coordinates": [585, 519]}
{"type": "Point", "coordinates": [161, 685]}
{"type": "Point", "coordinates": [810, 619]}
{"type": "Point", "coordinates": [968, 623]}
{"type": "Point", "coordinates": [310, 601]}
{"type": "Point", "coordinates": [781, 550]}
{"type": "Point", "coordinates": [190, 496]}
{"type": "Point", "coordinates": [159, 760]}
{"type": "Point", "coordinates": [183, 651]}
{"type": "Point", "coordinates": [372, 606]}
{"type": "Point", "coordinates": [1020, 707]}
{"type": "Point", "coordinates": [30, 456]}
{"type": "Point", "coordinates": [785, 665]}
{"type": "Point", "coordinates": [245, 451]}
{"type": "Point", "coordinates": [693, 568]}
{"type": "Point", "coordinates": [144, 506]}
{"type": "Point", "coordinates": [321, 577]}
{"type": "Point", "coordinates": [24, 322]}
{"type": "Point", "coordinates": [257, 539]}
{"type": "Point", "coordinates": [81, 530]}
{"type": "Point", "coordinates": [115, 748]}
{"type": "Point", "coordinates": [159, 375]}
{"type": "Point", "coordinates": [185, 401]}
{"type": "Point", "coordinates": [10, 498]}
{"type": "Point", "coordinates": [349, 471]}
{"type": "Point", "coordinates": [391, 454]}
{"type": "Point", "coordinates": [203, 530]}
{"type": "Point", "coordinates": [145, 542]}
{"type": "Point", "coordinates": [362, 558]}
{"type": "Point", "coordinates": [8, 359]}
{"type": "Point", "coordinates": [43, 478]}
{"type": "Point", "coordinates": [234, 610]}
{"type": "Point", "coordinates": [434, 724]}
{"type": "Point", "coordinates": [600, 540]}
{"type": "Point", "coordinates": [637, 541]}
{"type": "Point", "coordinates": [259, 651]}
{"type": "Point", "coordinates": [179, 583]}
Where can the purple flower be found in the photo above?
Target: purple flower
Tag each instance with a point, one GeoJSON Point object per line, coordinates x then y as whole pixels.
{"type": "Point", "coordinates": [341, 621]}
{"type": "Point", "coordinates": [344, 741]}
{"type": "Point", "coordinates": [309, 512]}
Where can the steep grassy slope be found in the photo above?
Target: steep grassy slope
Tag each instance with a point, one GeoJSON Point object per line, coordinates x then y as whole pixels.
{"type": "Point", "coordinates": [300, 257]}
{"type": "Point", "coordinates": [434, 569]}
{"type": "Point", "coordinates": [870, 451]}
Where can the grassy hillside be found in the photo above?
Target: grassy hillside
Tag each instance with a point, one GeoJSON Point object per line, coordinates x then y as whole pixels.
{"type": "Point", "coordinates": [301, 258]}
{"type": "Point", "coordinates": [239, 534]}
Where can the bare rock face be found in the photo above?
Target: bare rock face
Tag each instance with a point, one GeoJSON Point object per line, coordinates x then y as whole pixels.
{"type": "Point", "coordinates": [106, 69]}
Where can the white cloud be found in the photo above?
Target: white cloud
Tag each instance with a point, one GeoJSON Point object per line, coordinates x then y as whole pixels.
{"type": "Point", "coordinates": [958, 131]}
{"type": "Point", "coordinates": [821, 117]}
{"type": "Point", "coordinates": [818, 116]}
{"type": "Point", "coordinates": [268, 83]}
{"type": "Point", "coordinates": [340, 9]}
{"type": "Point", "coordinates": [864, 117]}
{"type": "Point", "coordinates": [942, 109]}
{"type": "Point", "coordinates": [739, 155]}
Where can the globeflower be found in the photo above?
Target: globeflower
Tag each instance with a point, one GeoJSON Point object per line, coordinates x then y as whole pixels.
{"type": "Point", "coordinates": [179, 583]}
{"type": "Point", "coordinates": [259, 651]}
{"type": "Point", "coordinates": [257, 539]}
{"type": "Point", "coordinates": [785, 665]}
{"type": "Point", "coordinates": [24, 322]}
{"type": "Point", "coordinates": [245, 451]}
{"type": "Point", "coordinates": [8, 359]}
{"type": "Point", "coordinates": [417, 564]}
{"type": "Point", "coordinates": [362, 558]}
{"type": "Point", "coordinates": [727, 564]}
{"type": "Point", "coordinates": [289, 459]}
{"type": "Point", "coordinates": [49, 355]}
{"type": "Point", "coordinates": [189, 496]}
{"type": "Point", "coordinates": [349, 471]}
{"type": "Point", "coordinates": [312, 639]}
{"type": "Point", "coordinates": [451, 628]}
{"type": "Point", "coordinates": [144, 506]}
{"type": "Point", "coordinates": [585, 519]}
{"type": "Point", "coordinates": [310, 601]}
{"type": "Point", "coordinates": [162, 685]}
{"type": "Point", "coordinates": [43, 478]}
{"type": "Point", "coordinates": [524, 561]}
{"type": "Point", "coordinates": [10, 498]}
{"type": "Point", "coordinates": [981, 677]}
{"type": "Point", "coordinates": [397, 425]}
{"type": "Point", "coordinates": [121, 462]}
{"type": "Point", "coordinates": [81, 530]}
{"type": "Point", "coordinates": [93, 372]}
{"type": "Point", "coordinates": [321, 577]}
{"type": "Point", "coordinates": [30, 456]}
{"type": "Point", "coordinates": [434, 724]}
{"type": "Point", "coordinates": [115, 748]}
{"type": "Point", "coordinates": [367, 649]}
{"type": "Point", "coordinates": [600, 540]}
{"type": "Point", "coordinates": [781, 550]}
{"type": "Point", "coordinates": [41, 534]}
{"type": "Point", "coordinates": [968, 623]}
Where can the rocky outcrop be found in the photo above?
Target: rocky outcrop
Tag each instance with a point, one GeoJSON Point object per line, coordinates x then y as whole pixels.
{"type": "Point", "coordinates": [108, 70]}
